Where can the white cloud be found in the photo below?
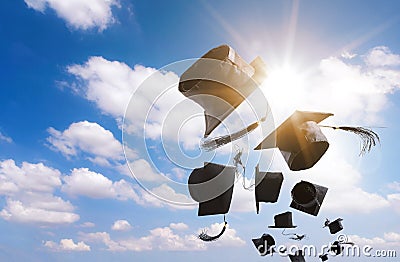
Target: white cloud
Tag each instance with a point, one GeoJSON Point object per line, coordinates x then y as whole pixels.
{"type": "Point", "coordinates": [179, 226]}
{"type": "Point", "coordinates": [87, 224]}
{"type": "Point", "coordinates": [79, 14]}
{"type": "Point", "coordinates": [389, 240]}
{"type": "Point", "coordinates": [382, 56]}
{"type": "Point", "coordinates": [29, 190]}
{"type": "Point", "coordinates": [87, 137]}
{"type": "Point", "coordinates": [394, 200]}
{"type": "Point", "coordinates": [165, 238]}
{"type": "Point", "coordinates": [109, 84]}
{"type": "Point", "coordinates": [121, 225]}
{"type": "Point", "coordinates": [394, 185]}
{"type": "Point", "coordinates": [5, 138]}
{"type": "Point", "coordinates": [67, 245]}
{"type": "Point", "coordinates": [16, 211]}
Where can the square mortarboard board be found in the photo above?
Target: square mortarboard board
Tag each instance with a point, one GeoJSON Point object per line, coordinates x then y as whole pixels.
{"type": "Point", "coordinates": [219, 82]}
{"type": "Point", "coordinates": [212, 187]}
{"type": "Point", "coordinates": [283, 220]}
{"type": "Point", "coordinates": [265, 239]}
{"type": "Point", "coordinates": [324, 257]}
{"type": "Point", "coordinates": [308, 197]}
{"type": "Point", "coordinates": [335, 226]}
{"type": "Point", "coordinates": [268, 187]}
{"type": "Point", "coordinates": [299, 139]}
{"type": "Point", "coordinates": [297, 257]}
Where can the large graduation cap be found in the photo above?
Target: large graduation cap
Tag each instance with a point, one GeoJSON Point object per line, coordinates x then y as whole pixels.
{"type": "Point", "coordinates": [334, 226]}
{"type": "Point", "coordinates": [212, 187]}
{"type": "Point", "coordinates": [308, 197]}
{"type": "Point", "coordinates": [219, 82]}
{"type": "Point", "coordinates": [299, 139]}
{"type": "Point", "coordinates": [268, 187]}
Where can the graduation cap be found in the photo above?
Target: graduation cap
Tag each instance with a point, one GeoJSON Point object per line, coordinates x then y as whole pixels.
{"type": "Point", "coordinates": [308, 197]}
{"type": "Point", "coordinates": [268, 187]}
{"type": "Point", "coordinates": [334, 226]}
{"type": "Point", "coordinates": [264, 244]}
{"type": "Point", "coordinates": [297, 256]}
{"type": "Point", "coordinates": [283, 220]}
{"type": "Point", "coordinates": [324, 257]}
{"type": "Point", "coordinates": [336, 248]}
{"type": "Point", "coordinates": [212, 186]}
{"type": "Point", "coordinates": [219, 82]}
{"type": "Point", "coordinates": [299, 139]}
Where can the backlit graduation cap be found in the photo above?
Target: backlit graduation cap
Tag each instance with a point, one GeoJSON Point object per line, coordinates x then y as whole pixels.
{"type": "Point", "coordinates": [334, 226]}
{"type": "Point", "coordinates": [283, 220]}
{"type": "Point", "coordinates": [219, 82]}
{"type": "Point", "coordinates": [297, 256]}
{"type": "Point", "coordinates": [264, 244]}
{"type": "Point", "coordinates": [212, 187]}
{"type": "Point", "coordinates": [308, 197]}
{"type": "Point", "coordinates": [299, 139]}
{"type": "Point", "coordinates": [268, 187]}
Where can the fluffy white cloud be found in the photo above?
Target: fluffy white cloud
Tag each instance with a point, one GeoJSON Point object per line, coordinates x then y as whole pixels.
{"type": "Point", "coordinates": [389, 240]}
{"type": "Point", "coordinates": [381, 56]}
{"type": "Point", "coordinates": [179, 226]}
{"type": "Point", "coordinates": [87, 137]}
{"type": "Point", "coordinates": [67, 245]}
{"type": "Point", "coordinates": [79, 14]}
{"type": "Point", "coordinates": [165, 238]}
{"type": "Point", "coordinates": [121, 225]}
{"type": "Point", "coordinates": [109, 84]}
{"type": "Point", "coordinates": [5, 138]}
{"type": "Point", "coordinates": [29, 190]}
{"type": "Point", "coordinates": [16, 211]}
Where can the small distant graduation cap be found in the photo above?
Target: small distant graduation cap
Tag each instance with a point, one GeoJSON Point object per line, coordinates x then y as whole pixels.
{"type": "Point", "coordinates": [324, 257]}
{"type": "Point", "coordinates": [334, 226]}
{"type": "Point", "coordinates": [221, 74]}
{"type": "Point", "coordinates": [268, 187]}
{"type": "Point", "coordinates": [283, 220]}
{"type": "Point", "coordinates": [299, 139]}
{"type": "Point", "coordinates": [297, 257]}
{"type": "Point", "coordinates": [212, 187]}
{"type": "Point", "coordinates": [308, 197]}
{"type": "Point", "coordinates": [264, 244]}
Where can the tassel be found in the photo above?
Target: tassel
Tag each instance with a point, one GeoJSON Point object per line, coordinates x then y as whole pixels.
{"type": "Point", "coordinates": [203, 235]}
{"type": "Point", "coordinates": [368, 137]}
{"type": "Point", "coordinates": [214, 143]}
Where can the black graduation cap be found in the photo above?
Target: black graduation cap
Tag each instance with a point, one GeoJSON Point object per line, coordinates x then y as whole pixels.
{"type": "Point", "coordinates": [219, 82]}
{"type": "Point", "coordinates": [297, 256]}
{"type": "Point", "coordinates": [324, 257]}
{"type": "Point", "coordinates": [268, 187]}
{"type": "Point", "coordinates": [299, 139]}
{"type": "Point", "coordinates": [283, 220]}
{"type": "Point", "coordinates": [212, 187]}
{"type": "Point", "coordinates": [264, 244]}
{"type": "Point", "coordinates": [308, 197]}
{"type": "Point", "coordinates": [334, 226]}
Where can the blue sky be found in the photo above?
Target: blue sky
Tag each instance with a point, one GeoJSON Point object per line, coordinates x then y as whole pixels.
{"type": "Point", "coordinates": [69, 68]}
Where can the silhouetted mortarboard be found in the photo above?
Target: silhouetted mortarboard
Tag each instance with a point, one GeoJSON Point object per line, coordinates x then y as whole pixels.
{"type": "Point", "coordinates": [334, 226]}
{"type": "Point", "coordinates": [220, 81]}
{"type": "Point", "coordinates": [264, 244]}
{"type": "Point", "coordinates": [336, 248]}
{"type": "Point", "coordinates": [212, 187]}
{"type": "Point", "coordinates": [283, 220]}
{"type": "Point", "coordinates": [324, 257]}
{"type": "Point", "coordinates": [308, 197]}
{"type": "Point", "coordinates": [297, 257]}
{"type": "Point", "coordinates": [299, 139]}
{"type": "Point", "coordinates": [268, 187]}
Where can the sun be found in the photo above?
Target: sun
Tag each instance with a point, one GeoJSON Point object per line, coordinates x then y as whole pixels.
{"type": "Point", "coordinates": [285, 84]}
